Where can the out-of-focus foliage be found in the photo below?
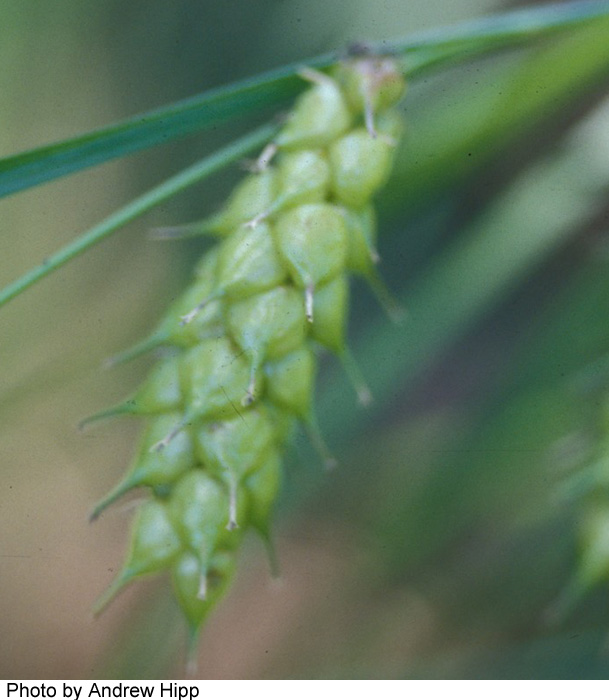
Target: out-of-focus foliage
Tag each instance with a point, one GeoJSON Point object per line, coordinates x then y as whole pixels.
{"type": "Point", "coordinates": [444, 543]}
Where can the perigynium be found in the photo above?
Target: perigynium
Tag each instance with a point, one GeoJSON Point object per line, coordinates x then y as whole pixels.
{"type": "Point", "coordinates": [244, 337]}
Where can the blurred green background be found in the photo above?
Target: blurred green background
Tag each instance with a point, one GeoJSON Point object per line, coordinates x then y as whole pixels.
{"type": "Point", "coordinates": [440, 546]}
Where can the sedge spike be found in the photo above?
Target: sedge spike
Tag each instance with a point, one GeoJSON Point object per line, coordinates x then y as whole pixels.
{"type": "Point", "coordinates": [271, 292]}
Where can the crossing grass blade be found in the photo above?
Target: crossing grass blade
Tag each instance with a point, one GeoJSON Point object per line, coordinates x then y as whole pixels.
{"type": "Point", "coordinates": [420, 52]}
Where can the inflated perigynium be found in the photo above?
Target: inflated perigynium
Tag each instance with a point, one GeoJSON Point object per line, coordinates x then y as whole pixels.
{"type": "Point", "coordinates": [244, 336]}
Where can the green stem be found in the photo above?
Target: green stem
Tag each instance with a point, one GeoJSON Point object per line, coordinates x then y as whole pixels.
{"type": "Point", "coordinates": [157, 195]}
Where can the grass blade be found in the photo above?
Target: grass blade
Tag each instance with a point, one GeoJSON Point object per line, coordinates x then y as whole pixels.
{"type": "Point", "coordinates": [420, 51]}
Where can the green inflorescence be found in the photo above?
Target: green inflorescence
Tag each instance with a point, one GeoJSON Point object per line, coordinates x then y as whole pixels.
{"type": "Point", "coordinates": [244, 335]}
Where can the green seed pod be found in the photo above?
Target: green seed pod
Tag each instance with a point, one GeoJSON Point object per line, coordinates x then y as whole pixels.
{"type": "Point", "coordinates": [362, 254]}
{"type": "Point", "coordinates": [283, 421]}
{"type": "Point", "coordinates": [238, 445]}
{"type": "Point", "coordinates": [290, 381]}
{"type": "Point", "coordinates": [198, 508]}
{"type": "Point", "coordinates": [206, 322]}
{"type": "Point", "coordinates": [160, 393]}
{"type": "Point", "coordinates": [249, 263]}
{"type": "Point", "coordinates": [362, 257]}
{"type": "Point", "coordinates": [319, 116]}
{"type": "Point", "coordinates": [329, 329]}
{"type": "Point", "coordinates": [312, 239]}
{"type": "Point", "coordinates": [155, 541]}
{"type": "Point", "coordinates": [265, 326]}
{"type": "Point", "coordinates": [330, 314]}
{"type": "Point", "coordinates": [244, 332]}
{"type": "Point", "coordinates": [289, 385]}
{"type": "Point", "coordinates": [154, 546]}
{"type": "Point", "coordinates": [262, 488]}
{"type": "Point", "coordinates": [152, 468]}
{"type": "Point", "coordinates": [215, 376]}
{"type": "Point", "coordinates": [233, 449]}
{"type": "Point", "coordinates": [360, 166]}
{"type": "Point", "coordinates": [187, 585]}
{"type": "Point", "coordinates": [171, 330]}
{"type": "Point", "coordinates": [252, 196]}
{"type": "Point", "coordinates": [371, 84]}
{"type": "Point", "coordinates": [304, 178]}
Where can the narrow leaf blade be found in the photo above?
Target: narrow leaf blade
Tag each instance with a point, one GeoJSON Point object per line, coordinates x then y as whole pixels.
{"type": "Point", "coordinates": [420, 51]}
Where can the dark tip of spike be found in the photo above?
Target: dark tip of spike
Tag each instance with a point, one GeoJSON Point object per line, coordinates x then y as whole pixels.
{"type": "Point", "coordinates": [178, 427]}
{"type": "Point", "coordinates": [309, 295]}
{"type": "Point", "coordinates": [264, 159]}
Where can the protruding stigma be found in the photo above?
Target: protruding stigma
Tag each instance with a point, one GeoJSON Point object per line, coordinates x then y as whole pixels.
{"type": "Point", "coordinates": [258, 219]}
{"type": "Point", "coordinates": [264, 159]}
{"type": "Point", "coordinates": [369, 117]}
{"type": "Point", "coordinates": [314, 76]}
{"type": "Point", "coordinates": [191, 315]}
{"type": "Point", "coordinates": [232, 504]}
{"type": "Point", "coordinates": [178, 427]}
{"type": "Point", "coordinates": [250, 395]}
{"type": "Point", "coordinates": [309, 293]}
